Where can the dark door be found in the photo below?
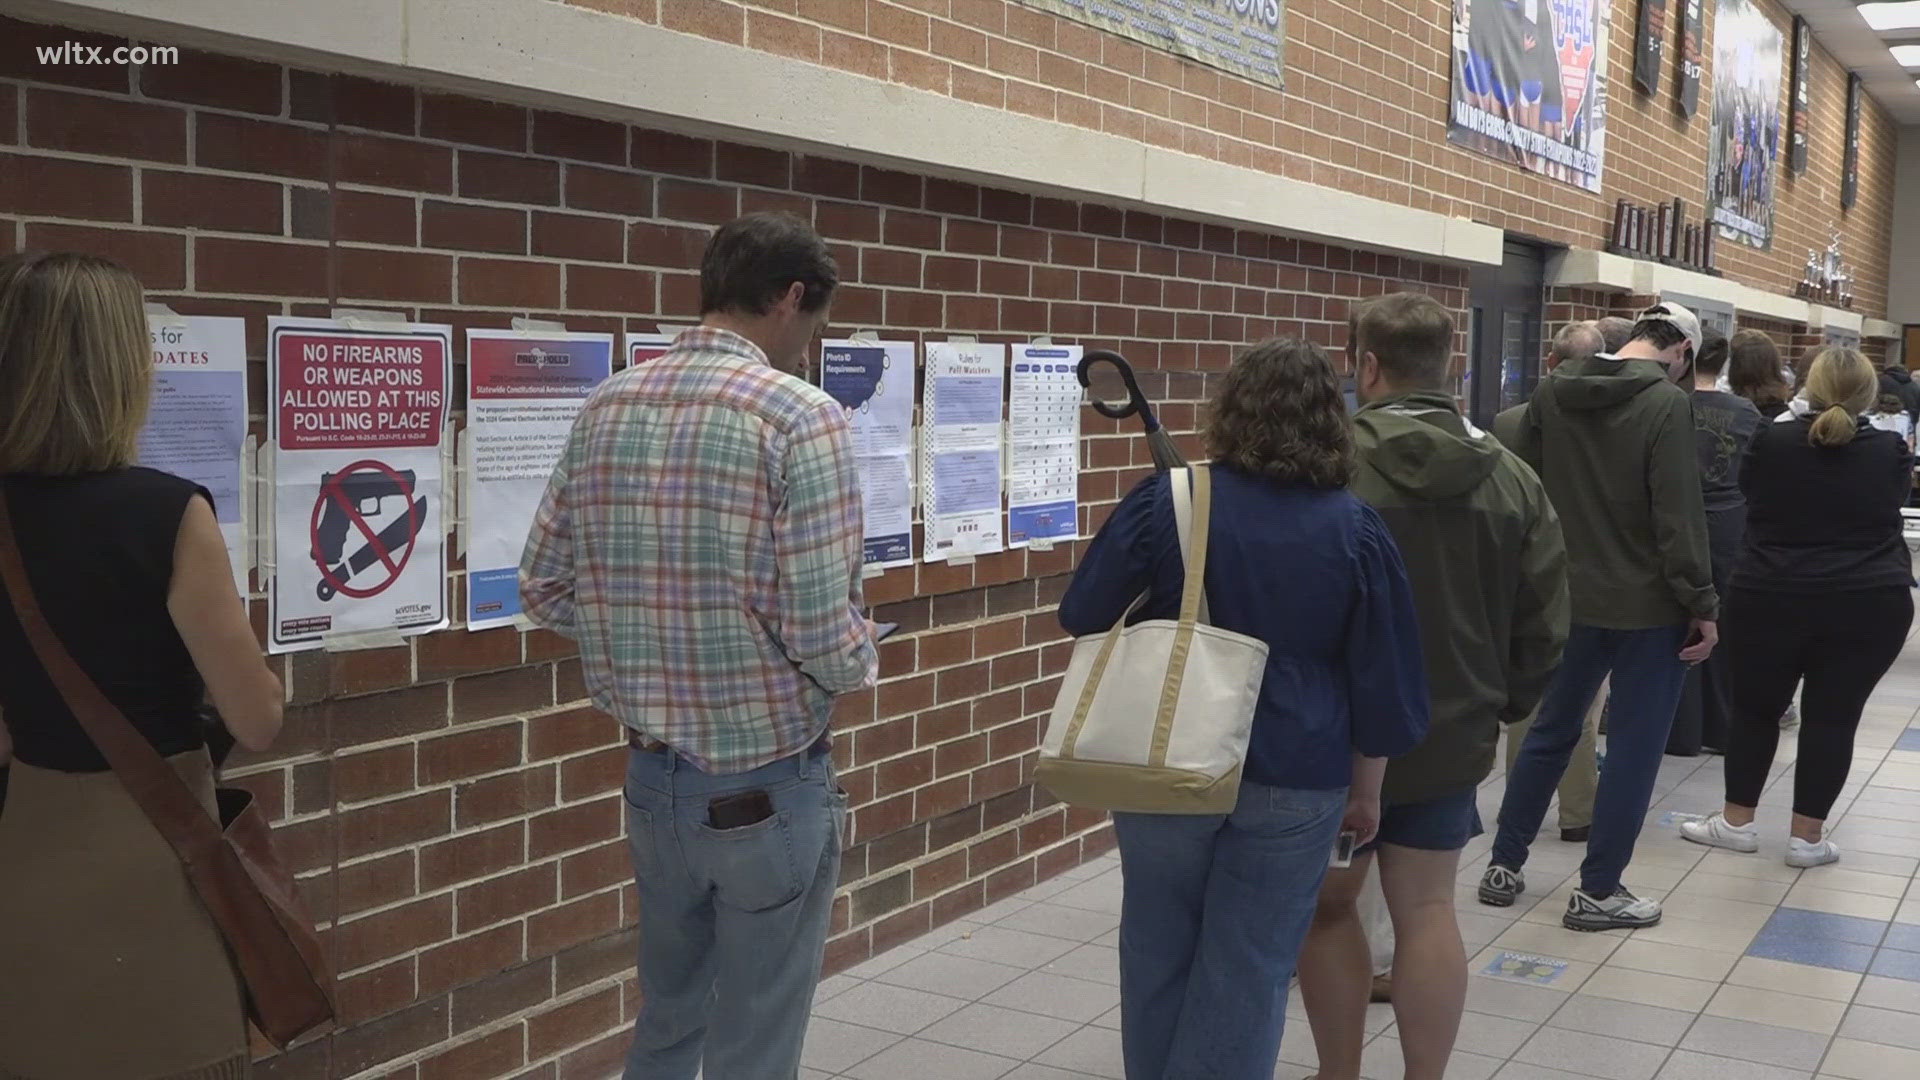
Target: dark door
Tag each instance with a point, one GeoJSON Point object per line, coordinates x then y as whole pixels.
{"type": "Point", "coordinates": [1504, 319]}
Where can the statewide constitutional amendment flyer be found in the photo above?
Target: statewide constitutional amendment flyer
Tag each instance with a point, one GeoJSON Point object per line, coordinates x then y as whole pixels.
{"type": "Point", "coordinates": [197, 423]}
{"type": "Point", "coordinates": [873, 381]}
{"type": "Point", "coordinates": [960, 462]}
{"type": "Point", "coordinates": [358, 413]}
{"type": "Point", "coordinates": [523, 392]}
{"type": "Point", "coordinates": [1043, 443]}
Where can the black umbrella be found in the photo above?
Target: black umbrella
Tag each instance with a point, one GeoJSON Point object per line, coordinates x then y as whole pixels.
{"type": "Point", "coordinates": [1165, 454]}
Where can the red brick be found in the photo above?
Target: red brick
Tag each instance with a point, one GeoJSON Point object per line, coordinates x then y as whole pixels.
{"type": "Point", "coordinates": [943, 797]}
{"type": "Point", "coordinates": [20, 59]}
{"type": "Point", "coordinates": [373, 774]}
{"type": "Point", "coordinates": [470, 752]}
{"type": "Point", "coordinates": [358, 1049]}
{"type": "Point", "coordinates": [379, 161]}
{"type": "Point", "coordinates": [443, 656]}
{"type": "Point", "coordinates": [602, 1057]}
{"type": "Point", "coordinates": [651, 244]}
{"type": "Point", "coordinates": [503, 994]}
{"type": "Point", "coordinates": [9, 114]}
{"type": "Point", "coordinates": [904, 229]}
{"type": "Point", "coordinates": [499, 797]}
{"type": "Point", "coordinates": [579, 137]}
{"type": "Point", "coordinates": [591, 774]}
{"type": "Point", "coordinates": [465, 227]}
{"type": "Point", "coordinates": [373, 218]}
{"type": "Point", "coordinates": [227, 204]}
{"type": "Point", "coordinates": [396, 931]}
{"type": "Point", "coordinates": [597, 868]}
{"type": "Point", "coordinates": [577, 236]}
{"type": "Point", "coordinates": [571, 732]}
{"type": "Point", "coordinates": [573, 1023]}
{"type": "Point", "coordinates": [891, 187]}
{"type": "Point", "coordinates": [159, 260]}
{"type": "Point", "coordinates": [370, 995]}
{"type": "Point", "coordinates": [753, 165]}
{"type": "Point", "coordinates": [259, 267]}
{"type": "Point", "coordinates": [472, 121]}
{"type": "Point", "coordinates": [907, 308]}
{"type": "Point", "coordinates": [609, 288]}
{"type": "Point", "coordinates": [108, 126]}
{"type": "Point", "coordinates": [508, 178]}
{"type": "Point", "coordinates": [549, 932]}
{"type": "Point", "coordinates": [223, 82]}
{"type": "Point", "coordinates": [368, 103]}
{"type": "Point", "coordinates": [389, 825]}
{"type": "Point", "coordinates": [509, 283]}
{"type": "Point", "coordinates": [505, 897]}
{"type": "Point", "coordinates": [685, 200]}
{"type": "Point", "coordinates": [490, 1055]}
{"type": "Point", "coordinates": [573, 827]}
{"type": "Point", "coordinates": [613, 191]}
{"type": "Point", "coordinates": [471, 856]}
{"type": "Point", "coordinates": [467, 959]}
{"type": "Point", "coordinates": [395, 276]}
{"type": "Point", "coordinates": [51, 187]}
{"type": "Point", "coordinates": [660, 151]}
{"type": "Point", "coordinates": [374, 883]}
{"type": "Point", "coordinates": [366, 670]}
{"type": "Point", "coordinates": [889, 266]}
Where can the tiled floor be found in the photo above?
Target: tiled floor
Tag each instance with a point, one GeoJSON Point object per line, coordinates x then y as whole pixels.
{"type": "Point", "coordinates": [1760, 971]}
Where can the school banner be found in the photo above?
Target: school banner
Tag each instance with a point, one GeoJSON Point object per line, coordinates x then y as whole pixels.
{"type": "Point", "coordinates": [1743, 145]}
{"type": "Point", "coordinates": [1649, 45]}
{"type": "Point", "coordinates": [1692, 58]}
{"type": "Point", "coordinates": [1850, 155]}
{"type": "Point", "coordinates": [1245, 37]}
{"type": "Point", "coordinates": [1797, 120]}
{"type": "Point", "coordinates": [1529, 84]}
{"type": "Point", "coordinates": [358, 414]}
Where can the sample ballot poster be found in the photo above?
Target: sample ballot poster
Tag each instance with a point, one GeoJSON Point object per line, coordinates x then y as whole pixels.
{"type": "Point", "coordinates": [1043, 443]}
{"type": "Point", "coordinates": [1743, 143]}
{"type": "Point", "coordinates": [960, 461]}
{"type": "Point", "coordinates": [1529, 84]}
{"type": "Point", "coordinates": [358, 414]}
{"type": "Point", "coordinates": [873, 381]}
{"type": "Point", "coordinates": [523, 392]}
{"type": "Point", "coordinates": [644, 347]}
{"type": "Point", "coordinates": [197, 422]}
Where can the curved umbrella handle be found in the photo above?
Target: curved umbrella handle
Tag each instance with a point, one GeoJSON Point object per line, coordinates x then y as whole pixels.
{"type": "Point", "coordinates": [1136, 403]}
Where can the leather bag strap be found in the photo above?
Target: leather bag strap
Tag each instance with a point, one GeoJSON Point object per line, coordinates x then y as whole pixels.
{"type": "Point", "coordinates": [155, 787]}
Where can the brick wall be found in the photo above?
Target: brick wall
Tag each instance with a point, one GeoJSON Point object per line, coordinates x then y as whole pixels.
{"type": "Point", "coordinates": [1364, 110]}
{"type": "Point", "coordinates": [451, 804]}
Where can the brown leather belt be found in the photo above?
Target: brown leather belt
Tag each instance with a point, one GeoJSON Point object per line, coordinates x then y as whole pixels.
{"type": "Point", "coordinates": [643, 743]}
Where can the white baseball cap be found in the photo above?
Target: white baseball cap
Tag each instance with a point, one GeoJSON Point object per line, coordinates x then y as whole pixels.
{"type": "Point", "coordinates": [1687, 322]}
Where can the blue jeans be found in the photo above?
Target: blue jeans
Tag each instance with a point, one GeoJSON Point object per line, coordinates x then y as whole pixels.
{"type": "Point", "coordinates": [1647, 676]}
{"type": "Point", "coordinates": [733, 922]}
{"type": "Point", "coordinates": [1213, 913]}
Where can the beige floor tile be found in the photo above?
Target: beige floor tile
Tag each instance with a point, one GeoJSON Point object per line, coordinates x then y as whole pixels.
{"type": "Point", "coordinates": [1745, 890]}
{"type": "Point", "coordinates": [1845, 879]}
{"type": "Point", "coordinates": [1880, 992]}
{"type": "Point", "coordinates": [1860, 905]}
{"type": "Point", "coordinates": [1650, 988]}
{"type": "Point", "coordinates": [1714, 937]}
{"type": "Point", "coordinates": [1802, 979]}
{"type": "Point", "coordinates": [1718, 909]}
{"type": "Point", "coordinates": [1757, 866]}
{"type": "Point", "coordinates": [1656, 877]}
{"type": "Point", "coordinates": [1666, 959]}
{"type": "Point", "coordinates": [1781, 1010]}
{"type": "Point", "coordinates": [1558, 941]}
{"type": "Point", "coordinates": [1856, 1060]}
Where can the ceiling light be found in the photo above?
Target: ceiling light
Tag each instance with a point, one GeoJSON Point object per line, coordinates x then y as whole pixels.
{"type": "Point", "coordinates": [1900, 16]}
{"type": "Point", "coordinates": [1907, 55]}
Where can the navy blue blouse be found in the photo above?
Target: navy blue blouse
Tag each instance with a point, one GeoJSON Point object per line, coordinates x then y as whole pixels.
{"type": "Point", "coordinates": [1312, 572]}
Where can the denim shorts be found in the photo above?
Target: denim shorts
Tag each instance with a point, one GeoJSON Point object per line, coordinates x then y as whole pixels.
{"type": "Point", "coordinates": [1442, 824]}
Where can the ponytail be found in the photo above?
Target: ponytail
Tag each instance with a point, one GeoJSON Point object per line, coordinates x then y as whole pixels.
{"type": "Point", "coordinates": [1833, 427]}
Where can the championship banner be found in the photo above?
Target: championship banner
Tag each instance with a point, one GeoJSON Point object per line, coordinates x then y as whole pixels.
{"type": "Point", "coordinates": [1244, 37]}
{"type": "Point", "coordinates": [1649, 45]}
{"type": "Point", "coordinates": [1529, 84]}
{"type": "Point", "coordinates": [1743, 145]}
{"type": "Point", "coordinates": [1692, 60]}
{"type": "Point", "coordinates": [358, 414]}
{"type": "Point", "coordinates": [1797, 117]}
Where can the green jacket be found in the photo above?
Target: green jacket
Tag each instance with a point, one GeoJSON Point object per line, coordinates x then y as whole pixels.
{"type": "Point", "coordinates": [1613, 441]}
{"type": "Point", "coordinates": [1483, 550]}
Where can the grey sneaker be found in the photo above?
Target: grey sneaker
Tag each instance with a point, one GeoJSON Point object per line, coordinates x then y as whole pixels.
{"type": "Point", "coordinates": [1621, 911]}
{"type": "Point", "coordinates": [1499, 886]}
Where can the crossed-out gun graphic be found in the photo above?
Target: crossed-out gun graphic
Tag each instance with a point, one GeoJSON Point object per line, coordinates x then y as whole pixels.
{"type": "Point", "coordinates": [367, 492]}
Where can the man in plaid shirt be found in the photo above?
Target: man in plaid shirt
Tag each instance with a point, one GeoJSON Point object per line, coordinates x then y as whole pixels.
{"type": "Point", "coordinates": [701, 540]}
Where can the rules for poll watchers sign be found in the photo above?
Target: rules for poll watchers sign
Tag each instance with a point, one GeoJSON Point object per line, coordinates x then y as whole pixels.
{"type": "Point", "coordinates": [359, 528]}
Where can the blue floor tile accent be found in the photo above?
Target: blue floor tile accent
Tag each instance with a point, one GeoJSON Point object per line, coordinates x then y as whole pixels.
{"type": "Point", "coordinates": [1814, 952]}
{"type": "Point", "coordinates": [1895, 964]}
{"type": "Point", "coordinates": [1791, 923]}
{"type": "Point", "coordinates": [1902, 936]}
{"type": "Point", "coordinates": [1909, 739]}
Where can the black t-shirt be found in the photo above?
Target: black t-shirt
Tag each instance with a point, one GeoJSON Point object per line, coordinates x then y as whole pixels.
{"type": "Point", "coordinates": [99, 554]}
{"type": "Point", "coordinates": [1822, 518]}
{"type": "Point", "coordinates": [1723, 425]}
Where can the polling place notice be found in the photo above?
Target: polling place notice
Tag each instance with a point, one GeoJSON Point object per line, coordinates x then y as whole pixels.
{"type": "Point", "coordinates": [961, 461]}
{"type": "Point", "coordinates": [523, 392]}
{"type": "Point", "coordinates": [197, 421]}
{"type": "Point", "coordinates": [1043, 441]}
{"type": "Point", "coordinates": [358, 414]}
{"type": "Point", "coordinates": [874, 382]}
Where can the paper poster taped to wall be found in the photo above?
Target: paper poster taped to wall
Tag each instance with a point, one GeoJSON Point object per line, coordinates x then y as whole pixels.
{"type": "Point", "coordinates": [1529, 84]}
{"type": "Point", "coordinates": [644, 347]}
{"type": "Point", "coordinates": [1245, 37]}
{"type": "Point", "coordinates": [1043, 445]}
{"type": "Point", "coordinates": [523, 392]}
{"type": "Point", "coordinates": [196, 425]}
{"type": "Point", "coordinates": [358, 414]}
{"type": "Point", "coordinates": [874, 382]}
{"type": "Point", "coordinates": [961, 461]}
{"type": "Point", "coordinates": [1743, 145]}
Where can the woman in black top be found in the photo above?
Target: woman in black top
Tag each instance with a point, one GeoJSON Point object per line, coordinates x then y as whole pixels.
{"type": "Point", "coordinates": [110, 968]}
{"type": "Point", "coordinates": [1821, 593]}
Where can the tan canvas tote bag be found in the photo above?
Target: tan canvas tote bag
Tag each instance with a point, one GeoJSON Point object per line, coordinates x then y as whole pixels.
{"type": "Point", "coordinates": [1154, 718]}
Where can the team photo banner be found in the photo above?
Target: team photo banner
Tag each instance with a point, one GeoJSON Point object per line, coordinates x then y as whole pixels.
{"type": "Point", "coordinates": [1529, 85]}
{"type": "Point", "coordinates": [1743, 146]}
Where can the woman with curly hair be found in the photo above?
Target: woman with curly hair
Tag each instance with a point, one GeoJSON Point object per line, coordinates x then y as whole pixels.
{"type": "Point", "coordinates": [1216, 907]}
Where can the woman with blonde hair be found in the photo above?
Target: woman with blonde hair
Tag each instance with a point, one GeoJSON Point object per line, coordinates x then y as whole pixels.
{"type": "Point", "coordinates": [113, 970]}
{"type": "Point", "coordinates": [1820, 595]}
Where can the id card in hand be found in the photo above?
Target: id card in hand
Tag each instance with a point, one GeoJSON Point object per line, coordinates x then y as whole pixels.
{"type": "Point", "coordinates": [1343, 850]}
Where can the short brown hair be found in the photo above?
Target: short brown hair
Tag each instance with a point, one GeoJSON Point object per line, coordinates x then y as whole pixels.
{"type": "Point", "coordinates": [753, 260]}
{"type": "Point", "coordinates": [1279, 413]}
{"type": "Point", "coordinates": [76, 365]}
{"type": "Point", "coordinates": [1753, 369]}
{"type": "Point", "coordinates": [1411, 335]}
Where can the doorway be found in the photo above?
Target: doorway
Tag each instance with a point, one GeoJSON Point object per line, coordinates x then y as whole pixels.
{"type": "Point", "coordinates": [1505, 313]}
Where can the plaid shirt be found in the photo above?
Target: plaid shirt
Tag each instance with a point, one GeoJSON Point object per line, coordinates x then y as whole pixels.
{"type": "Point", "coordinates": [701, 539]}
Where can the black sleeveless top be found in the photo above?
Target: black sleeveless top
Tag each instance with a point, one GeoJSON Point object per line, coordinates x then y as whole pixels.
{"type": "Point", "coordinates": [99, 553]}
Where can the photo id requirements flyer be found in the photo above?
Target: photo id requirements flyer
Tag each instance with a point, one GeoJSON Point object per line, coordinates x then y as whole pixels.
{"type": "Point", "coordinates": [873, 381]}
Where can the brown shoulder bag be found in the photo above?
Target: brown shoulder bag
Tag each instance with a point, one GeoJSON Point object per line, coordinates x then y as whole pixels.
{"type": "Point", "coordinates": [230, 862]}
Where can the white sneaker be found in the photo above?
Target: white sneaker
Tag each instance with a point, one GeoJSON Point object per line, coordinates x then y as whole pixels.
{"type": "Point", "coordinates": [1621, 911]}
{"type": "Point", "coordinates": [1791, 718]}
{"type": "Point", "coordinates": [1802, 854]}
{"type": "Point", "coordinates": [1714, 831]}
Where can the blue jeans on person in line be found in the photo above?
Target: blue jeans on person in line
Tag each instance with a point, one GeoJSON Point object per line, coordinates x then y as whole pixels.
{"type": "Point", "coordinates": [1647, 677]}
{"type": "Point", "coordinates": [733, 922]}
{"type": "Point", "coordinates": [1213, 912]}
